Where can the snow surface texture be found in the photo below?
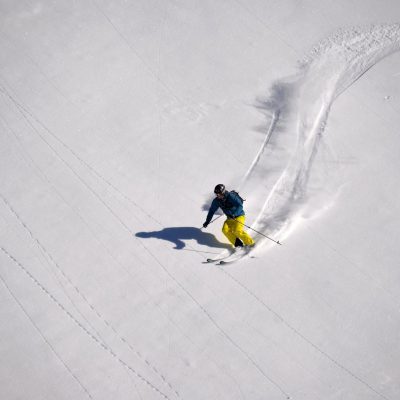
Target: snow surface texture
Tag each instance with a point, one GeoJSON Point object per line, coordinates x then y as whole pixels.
{"type": "Point", "coordinates": [300, 105]}
{"type": "Point", "coordinates": [116, 118]}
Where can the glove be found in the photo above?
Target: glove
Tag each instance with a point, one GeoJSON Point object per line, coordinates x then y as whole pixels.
{"type": "Point", "coordinates": [205, 224]}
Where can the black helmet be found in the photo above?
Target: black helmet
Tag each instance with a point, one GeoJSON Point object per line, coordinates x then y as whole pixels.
{"type": "Point", "coordinates": [219, 189]}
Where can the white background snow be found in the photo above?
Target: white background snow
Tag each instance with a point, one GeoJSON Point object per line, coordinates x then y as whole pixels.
{"type": "Point", "coordinates": [117, 120]}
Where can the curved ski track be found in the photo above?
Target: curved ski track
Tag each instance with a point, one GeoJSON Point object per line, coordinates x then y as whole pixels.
{"type": "Point", "coordinates": [299, 107]}
{"type": "Point", "coordinates": [276, 182]}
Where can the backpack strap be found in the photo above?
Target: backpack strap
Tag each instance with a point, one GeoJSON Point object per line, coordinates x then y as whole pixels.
{"type": "Point", "coordinates": [238, 195]}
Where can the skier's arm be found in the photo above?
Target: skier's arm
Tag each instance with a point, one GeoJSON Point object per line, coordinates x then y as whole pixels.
{"type": "Point", "coordinates": [214, 207]}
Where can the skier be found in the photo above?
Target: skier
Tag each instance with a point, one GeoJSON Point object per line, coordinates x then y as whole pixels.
{"type": "Point", "coordinates": [232, 205]}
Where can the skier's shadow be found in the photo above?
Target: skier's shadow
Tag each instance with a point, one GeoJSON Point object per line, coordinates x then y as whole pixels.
{"type": "Point", "coordinates": [177, 235]}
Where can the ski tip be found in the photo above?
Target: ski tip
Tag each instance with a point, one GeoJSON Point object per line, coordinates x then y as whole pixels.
{"type": "Point", "coordinates": [221, 263]}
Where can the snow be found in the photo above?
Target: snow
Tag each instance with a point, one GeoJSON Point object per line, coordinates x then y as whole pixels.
{"type": "Point", "coordinates": [118, 119]}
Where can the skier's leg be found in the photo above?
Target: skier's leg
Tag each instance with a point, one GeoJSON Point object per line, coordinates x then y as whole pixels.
{"type": "Point", "coordinates": [239, 232]}
{"type": "Point", "coordinates": [227, 231]}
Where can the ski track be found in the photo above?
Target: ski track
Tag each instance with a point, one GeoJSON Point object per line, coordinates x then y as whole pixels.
{"type": "Point", "coordinates": [41, 334]}
{"type": "Point", "coordinates": [295, 132]}
{"type": "Point", "coordinates": [97, 338]}
{"type": "Point", "coordinates": [89, 304]}
{"type": "Point", "coordinates": [49, 257]}
{"type": "Point", "coordinates": [44, 178]}
{"type": "Point", "coordinates": [300, 105]}
{"type": "Point", "coordinates": [82, 327]}
{"type": "Point", "coordinates": [27, 115]}
{"type": "Point", "coordinates": [300, 335]}
{"type": "Point", "coordinates": [276, 182]}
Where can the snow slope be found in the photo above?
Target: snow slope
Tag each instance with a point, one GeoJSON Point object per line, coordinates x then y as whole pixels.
{"type": "Point", "coordinates": [300, 108]}
{"type": "Point", "coordinates": [117, 120]}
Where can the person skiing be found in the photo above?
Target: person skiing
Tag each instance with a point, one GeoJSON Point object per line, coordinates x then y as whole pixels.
{"type": "Point", "coordinates": [232, 205]}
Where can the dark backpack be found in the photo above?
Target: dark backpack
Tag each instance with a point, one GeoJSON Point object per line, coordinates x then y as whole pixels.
{"type": "Point", "coordinates": [238, 196]}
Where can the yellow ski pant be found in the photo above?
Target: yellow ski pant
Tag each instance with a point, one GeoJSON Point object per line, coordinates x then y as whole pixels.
{"type": "Point", "coordinates": [233, 228]}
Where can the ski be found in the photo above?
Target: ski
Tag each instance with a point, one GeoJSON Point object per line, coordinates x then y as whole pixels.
{"type": "Point", "coordinates": [231, 260]}
{"type": "Point", "coordinates": [236, 256]}
{"type": "Point", "coordinates": [230, 256]}
{"type": "Point", "coordinates": [213, 260]}
{"type": "Point", "coordinates": [221, 256]}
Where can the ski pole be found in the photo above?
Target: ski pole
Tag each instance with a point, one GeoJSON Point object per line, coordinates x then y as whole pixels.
{"type": "Point", "coordinates": [219, 216]}
{"type": "Point", "coordinates": [276, 241]}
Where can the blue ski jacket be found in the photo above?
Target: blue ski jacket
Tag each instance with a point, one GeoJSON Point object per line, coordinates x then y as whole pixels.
{"type": "Point", "coordinates": [231, 204]}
